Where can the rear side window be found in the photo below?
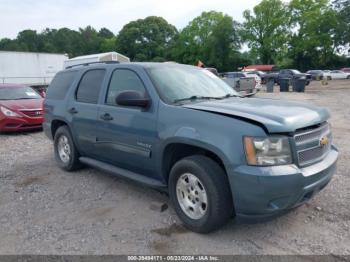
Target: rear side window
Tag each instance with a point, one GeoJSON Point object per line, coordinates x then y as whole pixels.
{"type": "Point", "coordinates": [60, 84]}
{"type": "Point", "coordinates": [90, 86]}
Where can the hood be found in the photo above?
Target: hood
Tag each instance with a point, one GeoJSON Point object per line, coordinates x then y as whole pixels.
{"type": "Point", "coordinates": [16, 105]}
{"type": "Point", "coordinates": [278, 116]}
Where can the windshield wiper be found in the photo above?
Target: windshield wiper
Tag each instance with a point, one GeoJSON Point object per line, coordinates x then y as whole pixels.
{"type": "Point", "coordinates": [193, 98]}
{"type": "Point", "coordinates": [230, 95]}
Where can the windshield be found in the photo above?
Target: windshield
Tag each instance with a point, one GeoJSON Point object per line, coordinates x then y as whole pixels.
{"type": "Point", "coordinates": [296, 71]}
{"type": "Point", "coordinates": [16, 93]}
{"type": "Point", "coordinates": [176, 83]}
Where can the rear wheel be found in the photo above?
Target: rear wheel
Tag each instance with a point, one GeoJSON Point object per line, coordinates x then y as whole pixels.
{"type": "Point", "coordinates": [200, 193]}
{"type": "Point", "coordinates": [66, 153]}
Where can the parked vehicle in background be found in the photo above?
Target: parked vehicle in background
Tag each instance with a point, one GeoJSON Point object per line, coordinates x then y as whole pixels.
{"type": "Point", "coordinates": [319, 75]}
{"type": "Point", "coordinates": [346, 69]}
{"type": "Point", "coordinates": [261, 74]}
{"type": "Point", "coordinates": [290, 74]}
{"type": "Point", "coordinates": [327, 74]}
{"type": "Point", "coordinates": [213, 70]}
{"type": "Point", "coordinates": [21, 108]}
{"type": "Point", "coordinates": [181, 129]}
{"type": "Point", "coordinates": [338, 74]}
{"type": "Point", "coordinates": [264, 68]}
{"type": "Point", "coordinates": [242, 82]}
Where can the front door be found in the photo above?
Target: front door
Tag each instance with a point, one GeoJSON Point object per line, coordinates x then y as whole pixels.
{"type": "Point", "coordinates": [126, 136]}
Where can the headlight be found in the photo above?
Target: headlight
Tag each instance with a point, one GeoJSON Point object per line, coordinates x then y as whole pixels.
{"type": "Point", "coordinates": [8, 112]}
{"type": "Point", "coordinates": [267, 151]}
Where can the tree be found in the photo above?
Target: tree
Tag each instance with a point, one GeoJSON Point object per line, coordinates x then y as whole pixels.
{"type": "Point", "coordinates": [342, 36]}
{"type": "Point", "coordinates": [108, 45]}
{"type": "Point", "coordinates": [313, 41]}
{"type": "Point", "coordinates": [211, 37]}
{"type": "Point", "coordinates": [146, 39]}
{"type": "Point", "coordinates": [91, 41]}
{"type": "Point", "coordinates": [9, 45]}
{"type": "Point", "coordinates": [67, 41]}
{"type": "Point", "coordinates": [30, 40]}
{"type": "Point", "coordinates": [105, 33]}
{"type": "Point", "coordinates": [266, 30]}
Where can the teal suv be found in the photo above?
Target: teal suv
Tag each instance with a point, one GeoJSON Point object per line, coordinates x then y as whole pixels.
{"type": "Point", "coordinates": [181, 129]}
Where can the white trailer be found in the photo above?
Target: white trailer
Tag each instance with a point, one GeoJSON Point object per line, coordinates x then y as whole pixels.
{"type": "Point", "coordinates": [34, 69]}
{"type": "Point", "coordinates": [96, 58]}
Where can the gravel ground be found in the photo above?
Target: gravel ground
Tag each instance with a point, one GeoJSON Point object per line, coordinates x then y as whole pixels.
{"type": "Point", "coordinates": [44, 210]}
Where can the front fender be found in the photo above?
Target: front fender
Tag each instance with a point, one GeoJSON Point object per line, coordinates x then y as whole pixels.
{"type": "Point", "coordinates": [191, 140]}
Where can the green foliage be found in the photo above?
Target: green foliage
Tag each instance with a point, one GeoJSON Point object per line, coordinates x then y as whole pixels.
{"type": "Point", "coordinates": [304, 34]}
{"type": "Point", "coordinates": [74, 43]}
{"type": "Point", "coordinates": [105, 33]}
{"type": "Point", "coordinates": [342, 34]}
{"type": "Point", "coordinates": [313, 44]}
{"type": "Point", "coordinates": [266, 30]}
{"type": "Point", "coordinates": [212, 38]}
{"type": "Point", "coordinates": [146, 39]}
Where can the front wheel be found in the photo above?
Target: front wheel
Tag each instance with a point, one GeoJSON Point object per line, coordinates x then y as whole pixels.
{"type": "Point", "coordinates": [200, 192]}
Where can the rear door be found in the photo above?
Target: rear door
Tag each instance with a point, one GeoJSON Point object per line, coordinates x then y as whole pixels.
{"type": "Point", "coordinates": [82, 110]}
{"type": "Point", "coordinates": [126, 136]}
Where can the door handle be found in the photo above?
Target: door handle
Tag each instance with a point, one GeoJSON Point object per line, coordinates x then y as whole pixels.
{"type": "Point", "coordinates": [106, 117]}
{"type": "Point", "coordinates": [73, 111]}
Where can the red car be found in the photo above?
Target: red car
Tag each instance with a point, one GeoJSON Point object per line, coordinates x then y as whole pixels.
{"type": "Point", "coordinates": [21, 108]}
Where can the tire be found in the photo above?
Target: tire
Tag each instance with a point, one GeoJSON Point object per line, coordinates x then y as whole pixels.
{"type": "Point", "coordinates": [329, 78]}
{"type": "Point", "coordinates": [348, 77]}
{"type": "Point", "coordinates": [71, 161]}
{"type": "Point", "coordinates": [212, 178]}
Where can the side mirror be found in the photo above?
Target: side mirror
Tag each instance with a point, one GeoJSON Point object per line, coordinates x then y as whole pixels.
{"type": "Point", "coordinates": [132, 98]}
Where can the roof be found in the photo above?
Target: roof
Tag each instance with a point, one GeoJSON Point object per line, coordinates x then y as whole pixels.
{"type": "Point", "coordinates": [259, 67]}
{"type": "Point", "coordinates": [138, 64]}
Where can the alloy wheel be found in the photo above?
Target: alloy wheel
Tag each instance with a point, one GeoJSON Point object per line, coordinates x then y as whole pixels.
{"type": "Point", "coordinates": [192, 196]}
{"type": "Point", "coordinates": [63, 148]}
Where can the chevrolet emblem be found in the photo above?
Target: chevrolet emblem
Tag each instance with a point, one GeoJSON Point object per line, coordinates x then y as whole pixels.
{"type": "Point", "coordinates": [324, 141]}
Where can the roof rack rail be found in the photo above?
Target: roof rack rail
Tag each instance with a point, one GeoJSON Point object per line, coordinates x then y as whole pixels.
{"type": "Point", "coordinates": [91, 63]}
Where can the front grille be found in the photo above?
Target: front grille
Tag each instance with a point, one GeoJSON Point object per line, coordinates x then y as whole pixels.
{"type": "Point", "coordinates": [308, 143]}
{"type": "Point", "coordinates": [33, 113]}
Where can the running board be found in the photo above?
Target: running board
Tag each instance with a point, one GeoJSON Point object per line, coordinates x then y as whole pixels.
{"type": "Point", "coordinates": [123, 173]}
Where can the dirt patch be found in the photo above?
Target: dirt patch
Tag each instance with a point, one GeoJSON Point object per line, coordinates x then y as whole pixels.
{"type": "Point", "coordinates": [29, 181]}
{"type": "Point", "coordinates": [160, 247]}
{"type": "Point", "coordinates": [172, 229]}
{"type": "Point", "coordinates": [98, 212]}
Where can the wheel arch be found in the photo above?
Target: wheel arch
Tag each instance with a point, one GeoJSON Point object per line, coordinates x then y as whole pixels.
{"type": "Point", "coordinates": [175, 150]}
{"type": "Point", "coordinates": [56, 124]}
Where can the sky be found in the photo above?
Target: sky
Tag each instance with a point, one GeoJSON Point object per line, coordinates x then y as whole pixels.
{"type": "Point", "coordinates": [18, 15]}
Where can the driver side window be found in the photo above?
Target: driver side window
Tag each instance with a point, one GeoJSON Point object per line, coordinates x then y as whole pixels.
{"type": "Point", "coordinates": [123, 80]}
